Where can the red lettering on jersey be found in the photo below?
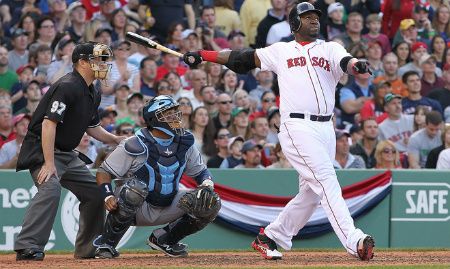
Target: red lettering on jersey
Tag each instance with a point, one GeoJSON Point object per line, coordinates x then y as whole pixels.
{"type": "Point", "coordinates": [290, 63]}
{"type": "Point", "coordinates": [303, 61]}
{"type": "Point", "coordinates": [327, 66]}
{"type": "Point", "coordinates": [315, 61]}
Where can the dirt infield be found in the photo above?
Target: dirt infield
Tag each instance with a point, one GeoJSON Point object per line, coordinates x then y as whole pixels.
{"type": "Point", "coordinates": [234, 259]}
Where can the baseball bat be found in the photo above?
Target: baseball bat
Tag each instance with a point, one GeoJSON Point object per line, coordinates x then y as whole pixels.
{"type": "Point", "coordinates": [141, 40]}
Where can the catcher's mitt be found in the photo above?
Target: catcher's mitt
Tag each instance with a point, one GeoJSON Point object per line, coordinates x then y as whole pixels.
{"type": "Point", "coordinates": [202, 202]}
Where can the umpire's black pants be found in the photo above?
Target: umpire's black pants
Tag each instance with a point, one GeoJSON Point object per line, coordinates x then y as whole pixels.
{"type": "Point", "coordinates": [40, 215]}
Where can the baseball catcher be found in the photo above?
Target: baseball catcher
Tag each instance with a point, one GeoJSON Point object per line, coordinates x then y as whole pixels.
{"type": "Point", "coordinates": [148, 167]}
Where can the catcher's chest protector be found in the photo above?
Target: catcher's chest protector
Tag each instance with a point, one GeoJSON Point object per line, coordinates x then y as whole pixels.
{"type": "Point", "coordinates": [164, 167]}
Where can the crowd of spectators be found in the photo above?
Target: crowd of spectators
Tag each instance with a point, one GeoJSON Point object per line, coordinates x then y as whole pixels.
{"type": "Point", "coordinates": [394, 119]}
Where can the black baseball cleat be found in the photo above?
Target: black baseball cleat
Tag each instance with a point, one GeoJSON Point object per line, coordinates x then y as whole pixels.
{"type": "Point", "coordinates": [365, 248]}
{"type": "Point", "coordinates": [266, 246]}
{"type": "Point", "coordinates": [30, 254]}
{"type": "Point", "coordinates": [175, 250]}
{"type": "Point", "coordinates": [104, 251]}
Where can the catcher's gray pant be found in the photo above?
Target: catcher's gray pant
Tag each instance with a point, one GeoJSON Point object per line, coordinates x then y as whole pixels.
{"type": "Point", "coordinates": [40, 215]}
{"type": "Point", "coordinates": [149, 215]}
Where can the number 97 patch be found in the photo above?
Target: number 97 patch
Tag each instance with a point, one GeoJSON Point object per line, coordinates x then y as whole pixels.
{"type": "Point", "coordinates": [58, 107]}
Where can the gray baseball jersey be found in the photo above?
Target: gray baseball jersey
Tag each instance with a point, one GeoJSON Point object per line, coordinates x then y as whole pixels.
{"type": "Point", "coordinates": [121, 164]}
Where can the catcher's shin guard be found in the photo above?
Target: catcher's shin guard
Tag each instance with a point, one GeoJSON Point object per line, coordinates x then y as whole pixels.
{"type": "Point", "coordinates": [173, 232]}
{"type": "Point", "coordinates": [115, 227]}
{"type": "Point", "coordinates": [131, 197]}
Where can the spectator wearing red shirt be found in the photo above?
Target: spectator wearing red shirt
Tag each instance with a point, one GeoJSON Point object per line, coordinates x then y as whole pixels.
{"type": "Point", "coordinates": [171, 63]}
{"type": "Point", "coordinates": [394, 12]}
{"type": "Point", "coordinates": [6, 128]}
{"type": "Point", "coordinates": [374, 107]}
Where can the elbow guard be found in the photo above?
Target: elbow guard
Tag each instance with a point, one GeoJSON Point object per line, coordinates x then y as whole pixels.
{"type": "Point", "coordinates": [344, 63]}
{"type": "Point", "coordinates": [241, 61]}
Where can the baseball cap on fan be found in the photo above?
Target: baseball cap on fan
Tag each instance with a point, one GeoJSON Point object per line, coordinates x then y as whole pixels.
{"type": "Point", "coordinates": [390, 96]}
{"type": "Point", "coordinates": [73, 6]}
{"type": "Point", "coordinates": [249, 145]}
{"type": "Point", "coordinates": [406, 23]}
{"type": "Point", "coordinates": [233, 140]}
{"type": "Point", "coordinates": [235, 33]}
{"type": "Point", "coordinates": [100, 31]}
{"type": "Point", "coordinates": [418, 45]}
{"type": "Point", "coordinates": [19, 32]}
{"type": "Point", "coordinates": [341, 133]}
{"type": "Point", "coordinates": [334, 7]}
{"type": "Point", "coordinates": [426, 57]}
{"type": "Point", "coordinates": [238, 110]}
{"type": "Point", "coordinates": [20, 117]}
{"type": "Point", "coordinates": [186, 33]}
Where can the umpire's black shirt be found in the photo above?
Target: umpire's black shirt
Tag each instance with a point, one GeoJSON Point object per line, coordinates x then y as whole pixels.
{"type": "Point", "coordinates": [73, 105]}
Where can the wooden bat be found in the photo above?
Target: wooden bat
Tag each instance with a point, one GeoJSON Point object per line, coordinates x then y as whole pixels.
{"type": "Point", "coordinates": [133, 37]}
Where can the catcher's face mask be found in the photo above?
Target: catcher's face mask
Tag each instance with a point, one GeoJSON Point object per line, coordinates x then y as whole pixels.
{"type": "Point", "coordinates": [101, 61]}
{"type": "Point", "coordinates": [173, 117]}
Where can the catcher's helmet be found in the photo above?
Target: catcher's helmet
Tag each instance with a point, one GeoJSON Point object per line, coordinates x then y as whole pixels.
{"type": "Point", "coordinates": [162, 113]}
{"type": "Point", "coordinates": [294, 16]}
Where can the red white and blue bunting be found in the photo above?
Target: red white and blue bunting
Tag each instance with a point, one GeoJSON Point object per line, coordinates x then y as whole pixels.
{"type": "Point", "coordinates": [247, 212]}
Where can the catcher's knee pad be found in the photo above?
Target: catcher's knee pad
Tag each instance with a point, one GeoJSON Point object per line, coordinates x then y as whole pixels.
{"type": "Point", "coordinates": [131, 197]}
{"type": "Point", "coordinates": [133, 193]}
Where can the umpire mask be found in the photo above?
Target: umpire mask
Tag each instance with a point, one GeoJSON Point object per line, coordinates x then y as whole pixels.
{"type": "Point", "coordinates": [101, 61]}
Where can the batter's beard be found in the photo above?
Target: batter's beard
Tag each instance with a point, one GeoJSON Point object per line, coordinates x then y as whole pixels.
{"type": "Point", "coordinates": [314, 34]}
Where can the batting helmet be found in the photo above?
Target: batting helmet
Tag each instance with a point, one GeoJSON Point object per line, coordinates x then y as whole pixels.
{"type": "Point", "coordinates": [162, 113]}
{"type": "Point", "coordinates": [294, 16]}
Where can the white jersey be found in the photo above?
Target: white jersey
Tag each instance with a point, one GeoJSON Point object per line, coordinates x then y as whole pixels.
{"type": "Point", "coordinates": [307, 75]}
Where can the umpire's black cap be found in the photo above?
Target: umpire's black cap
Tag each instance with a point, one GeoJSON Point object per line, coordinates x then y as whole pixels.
{"type": "Point", "coordinates": [82, 51]}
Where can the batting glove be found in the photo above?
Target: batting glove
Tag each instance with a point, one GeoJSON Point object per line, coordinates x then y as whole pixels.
{"type": "Point", "coordinates": [362, 67]}
{"type": "Point", "coordinates": [192, 58]}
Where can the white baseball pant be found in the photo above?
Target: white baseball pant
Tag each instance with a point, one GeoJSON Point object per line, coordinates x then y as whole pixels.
{"type": "Point", "coordinates": [310, 147]}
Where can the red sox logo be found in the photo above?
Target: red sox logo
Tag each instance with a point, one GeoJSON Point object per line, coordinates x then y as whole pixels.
{"type": "Point", "coordinates": [316, 61]}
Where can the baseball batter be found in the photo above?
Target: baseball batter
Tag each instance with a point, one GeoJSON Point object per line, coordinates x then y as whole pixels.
{"type": "Point", "coordinates": [308, 71]}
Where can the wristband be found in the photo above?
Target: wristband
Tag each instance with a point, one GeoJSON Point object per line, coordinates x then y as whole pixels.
{"type": "Point", "coordinates": [106, 190]}
{"type": "Point", "coordinates": [209, 55]}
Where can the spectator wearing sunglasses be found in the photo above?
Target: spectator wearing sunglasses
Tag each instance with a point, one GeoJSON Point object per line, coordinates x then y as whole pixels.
{"type": "Point", "coordinates": [125, 129]}
{"type": "Point", "coordinates": [387, 155]}
{"type": "Point", "coordinates": [221, 139]}
{"type": "Point", "coordinates": [222, 119]}
{"type": "Point", "coordinates": [268, 100]}
{"type": "Point", "coordinates": [163, 88]}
